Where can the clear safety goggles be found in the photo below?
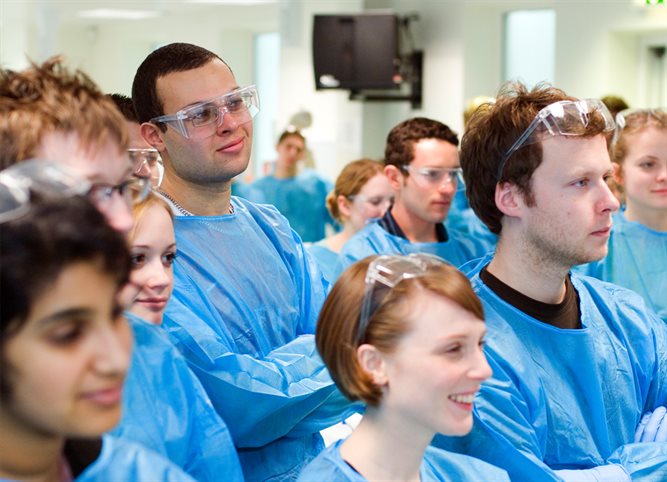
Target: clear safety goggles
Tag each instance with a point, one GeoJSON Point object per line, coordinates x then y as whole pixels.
{"type": "Point", "coordinates": [44, 177]}
{"type": "Point", "coordinates": [375, 201]}
{"type": "Point", "coordinates": [132, 191]}
{"type": "Point", "coordinates": [563, 118]}
{"type": "Point", "coordinates": [144, 161]}
{"type": "Point", "coordinates": [640, 117]}
{"type": "Point", "coordinates": [436, 176]}
{"type": "Point", "coordinates": [383, 274]}
{"type": "Point", "coordinates": [201, 120]}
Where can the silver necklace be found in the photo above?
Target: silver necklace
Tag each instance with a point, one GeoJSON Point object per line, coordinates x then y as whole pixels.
{"type": "Point", "coordinates": [184, 211]}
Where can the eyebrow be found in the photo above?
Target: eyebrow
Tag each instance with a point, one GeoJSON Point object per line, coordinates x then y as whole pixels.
{"type": "Point", "coordinates": [199, 102]}
{"type": "Point", "coordinates": [64, 315]}
{"type": "Point", "coordinates": [145, 246]}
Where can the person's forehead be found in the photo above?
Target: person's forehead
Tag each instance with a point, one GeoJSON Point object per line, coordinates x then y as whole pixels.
{"type": "Point", "coordinates": [178, 90]}
{"type": "Point", "coordinates": [436, 152]}
{"type": "Point", "coordinates": [104, 163]}
{"type": "Point", "coordinates": [562, 155]}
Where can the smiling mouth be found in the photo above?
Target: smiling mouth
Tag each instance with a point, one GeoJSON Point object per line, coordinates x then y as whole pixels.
{"type": "Point", "coordinates": [107, 397]}
{"type": "Point", "coordinates": [232, 146]}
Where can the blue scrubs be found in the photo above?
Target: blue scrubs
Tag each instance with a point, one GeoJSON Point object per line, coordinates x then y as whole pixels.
{"type": "Point", "coordinates": [438, 465]}
{"type": "Point", "coordinates": [301, 199]}
{"type": "Point", "coordinates": [166, 409]}
{"type": "Point", "coordinates": [637, 260]}
{"type": "Point", "coordinates": [462, 218]}
{"type": "Point", "coordinates": [325, 258]}
{"type": "Point", "coordinates": [121, 460]}
{"type": "Point", "coordinates": [243, 312]}
{"type": "Point", "coordinates": [373, 239]}
{"type": "Point", "coordinates": [569, 399]}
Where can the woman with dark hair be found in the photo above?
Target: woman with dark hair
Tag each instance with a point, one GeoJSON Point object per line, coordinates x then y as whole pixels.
{"type": "Point", "coordinates": [404, 334]}
{"type": "Point", "coordinates": [64, 345]}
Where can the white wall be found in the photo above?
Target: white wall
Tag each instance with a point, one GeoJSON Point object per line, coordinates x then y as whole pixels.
{"type": "Point", "coordinates": [598, 51]}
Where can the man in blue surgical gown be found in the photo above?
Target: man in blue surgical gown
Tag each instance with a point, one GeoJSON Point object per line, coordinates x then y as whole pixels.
{"type": "Point", "coordinates": [246, 296]}
{"type": "Point", "coordinates": [576, 361]}
{"type": "Point", "coordinates": [300, 197]}
{"type": "Point", "coordinates": [422, 165]}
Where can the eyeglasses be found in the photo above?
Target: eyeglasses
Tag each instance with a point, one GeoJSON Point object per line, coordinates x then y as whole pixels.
{"type": "Point", "coordinates": [375, 201]}
{"type": "Point", "coordinates": [388, 271]}
{"type": "Point", "coordinates": [436, 176]}
{"type": "Point", "coordinates": [132, 191]}
{"type": "Point", "coordinates": [44, 177]}
{"type": "Point", "coordinates": [203, 119]}
{"type": "Point", "coordinates": [143, 161]}
{"type": "Point", "coordinates": [563, 118]}
{"type": "Point", "coordinates": [639, 117]}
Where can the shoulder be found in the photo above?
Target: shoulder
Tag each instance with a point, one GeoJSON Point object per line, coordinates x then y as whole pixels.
{"type": "Point", "coordinates": [124, 460]}
{"type": "Point", "coordinates": [330, 466]}
{"type": "Point", "coordinates": [442, 465]}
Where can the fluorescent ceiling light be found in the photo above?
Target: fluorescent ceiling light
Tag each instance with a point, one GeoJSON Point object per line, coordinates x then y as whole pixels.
{"type": "Point", "coordinates": [118, 14]}
{"type": "Point", "coordinates": [230, 3]}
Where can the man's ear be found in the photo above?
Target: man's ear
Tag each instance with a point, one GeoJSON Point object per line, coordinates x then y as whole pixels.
{"type": "Point", "coordinates": [152, 134]}
{"type": "Point", "coordinates": [508, 199]}
{"type": "Point", "coordinates": [395, 177]}
{"type": "Point", "coordinates": [372, 362]}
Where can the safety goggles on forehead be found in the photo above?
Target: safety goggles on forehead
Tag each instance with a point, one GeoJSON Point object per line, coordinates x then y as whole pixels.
{"type": "Point", "coordinates": [436, 176]}
{"type": "Point", "coordinates": [386, 272]}
{"type": "Point", "coordinates": [639, 117]}
{"type": "Point", "coordinates": [563, 118]}
{"type": "Point", "coordinates": [44, 177]}
{"type": "Point", "coordinates": [201, 120]}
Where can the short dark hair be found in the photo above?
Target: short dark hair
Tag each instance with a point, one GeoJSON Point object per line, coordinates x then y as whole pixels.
{"type": "Point", "coordinates": [492, 130]}
{"type": "Point", "coordinates": [399, 150]}
{"type": "Point", "coordinates": [125, 106]}
{"type": "Point", "coordinates": [175, 57]}
{"type": "Point", "coordinates": [37, 247]}
{"type": "Point", "coordinates": [291, 133]}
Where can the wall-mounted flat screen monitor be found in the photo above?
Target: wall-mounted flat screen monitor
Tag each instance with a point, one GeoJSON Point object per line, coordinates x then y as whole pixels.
{"type": "Point", "coordinates": [356, 51]}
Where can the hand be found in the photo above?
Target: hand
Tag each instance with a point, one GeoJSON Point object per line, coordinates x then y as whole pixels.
{"type": "Point", "coordinates": [653, 426]}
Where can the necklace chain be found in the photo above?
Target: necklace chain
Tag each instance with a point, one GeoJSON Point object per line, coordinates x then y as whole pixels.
{"type": "Point", "coordinates": [184, 211]}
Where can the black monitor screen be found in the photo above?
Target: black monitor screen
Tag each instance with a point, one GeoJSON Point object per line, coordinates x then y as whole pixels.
{"type": "Point", "coordinates": [358, 51]}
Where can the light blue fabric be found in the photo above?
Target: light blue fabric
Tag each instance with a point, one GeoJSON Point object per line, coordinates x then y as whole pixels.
{"type": "Point", "coordinates": [637, 260]}
{"type": "Point", "coordinates": [462, 218]}
{"type": "Point", "coordinates": [166, 409]}
{"type": "Point", "coordinates": [325, 258]}
{"type": "Point", "coordinates": [373, 239]}
{"type": "Point", "coordinates": [438, 465]}
{"type": "Point", "coordinates": [243, 312]}
{"type": "Point", "coordinates": [301, 199]}
{"type": "Point", "coordinates": [569, 399]}
{"type": "Point", "coordinates": [122, 460]}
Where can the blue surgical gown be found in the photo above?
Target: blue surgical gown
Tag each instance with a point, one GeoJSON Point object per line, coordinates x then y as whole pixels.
{"type": "Point", "coordinates": [462, 218]}
{"type": "Point", "coordinates": [243, 312]}
{"type": "Point", "coordinates": [373, 239]}
{"type": "Point", "coordinates": [569, 399]}
{"type": "Point", "coordinates": [637, 260]}
{"type": "Point", "coordinates": [301, 199]}
{"type": "Point", "coordinates": [122, 460]}
{"type": "Point", "coordinates": [166, 409]}
{"type": "Point", "coordinates": [438, 465]}
{"type": "Point", "coordinates": [325, 258]}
